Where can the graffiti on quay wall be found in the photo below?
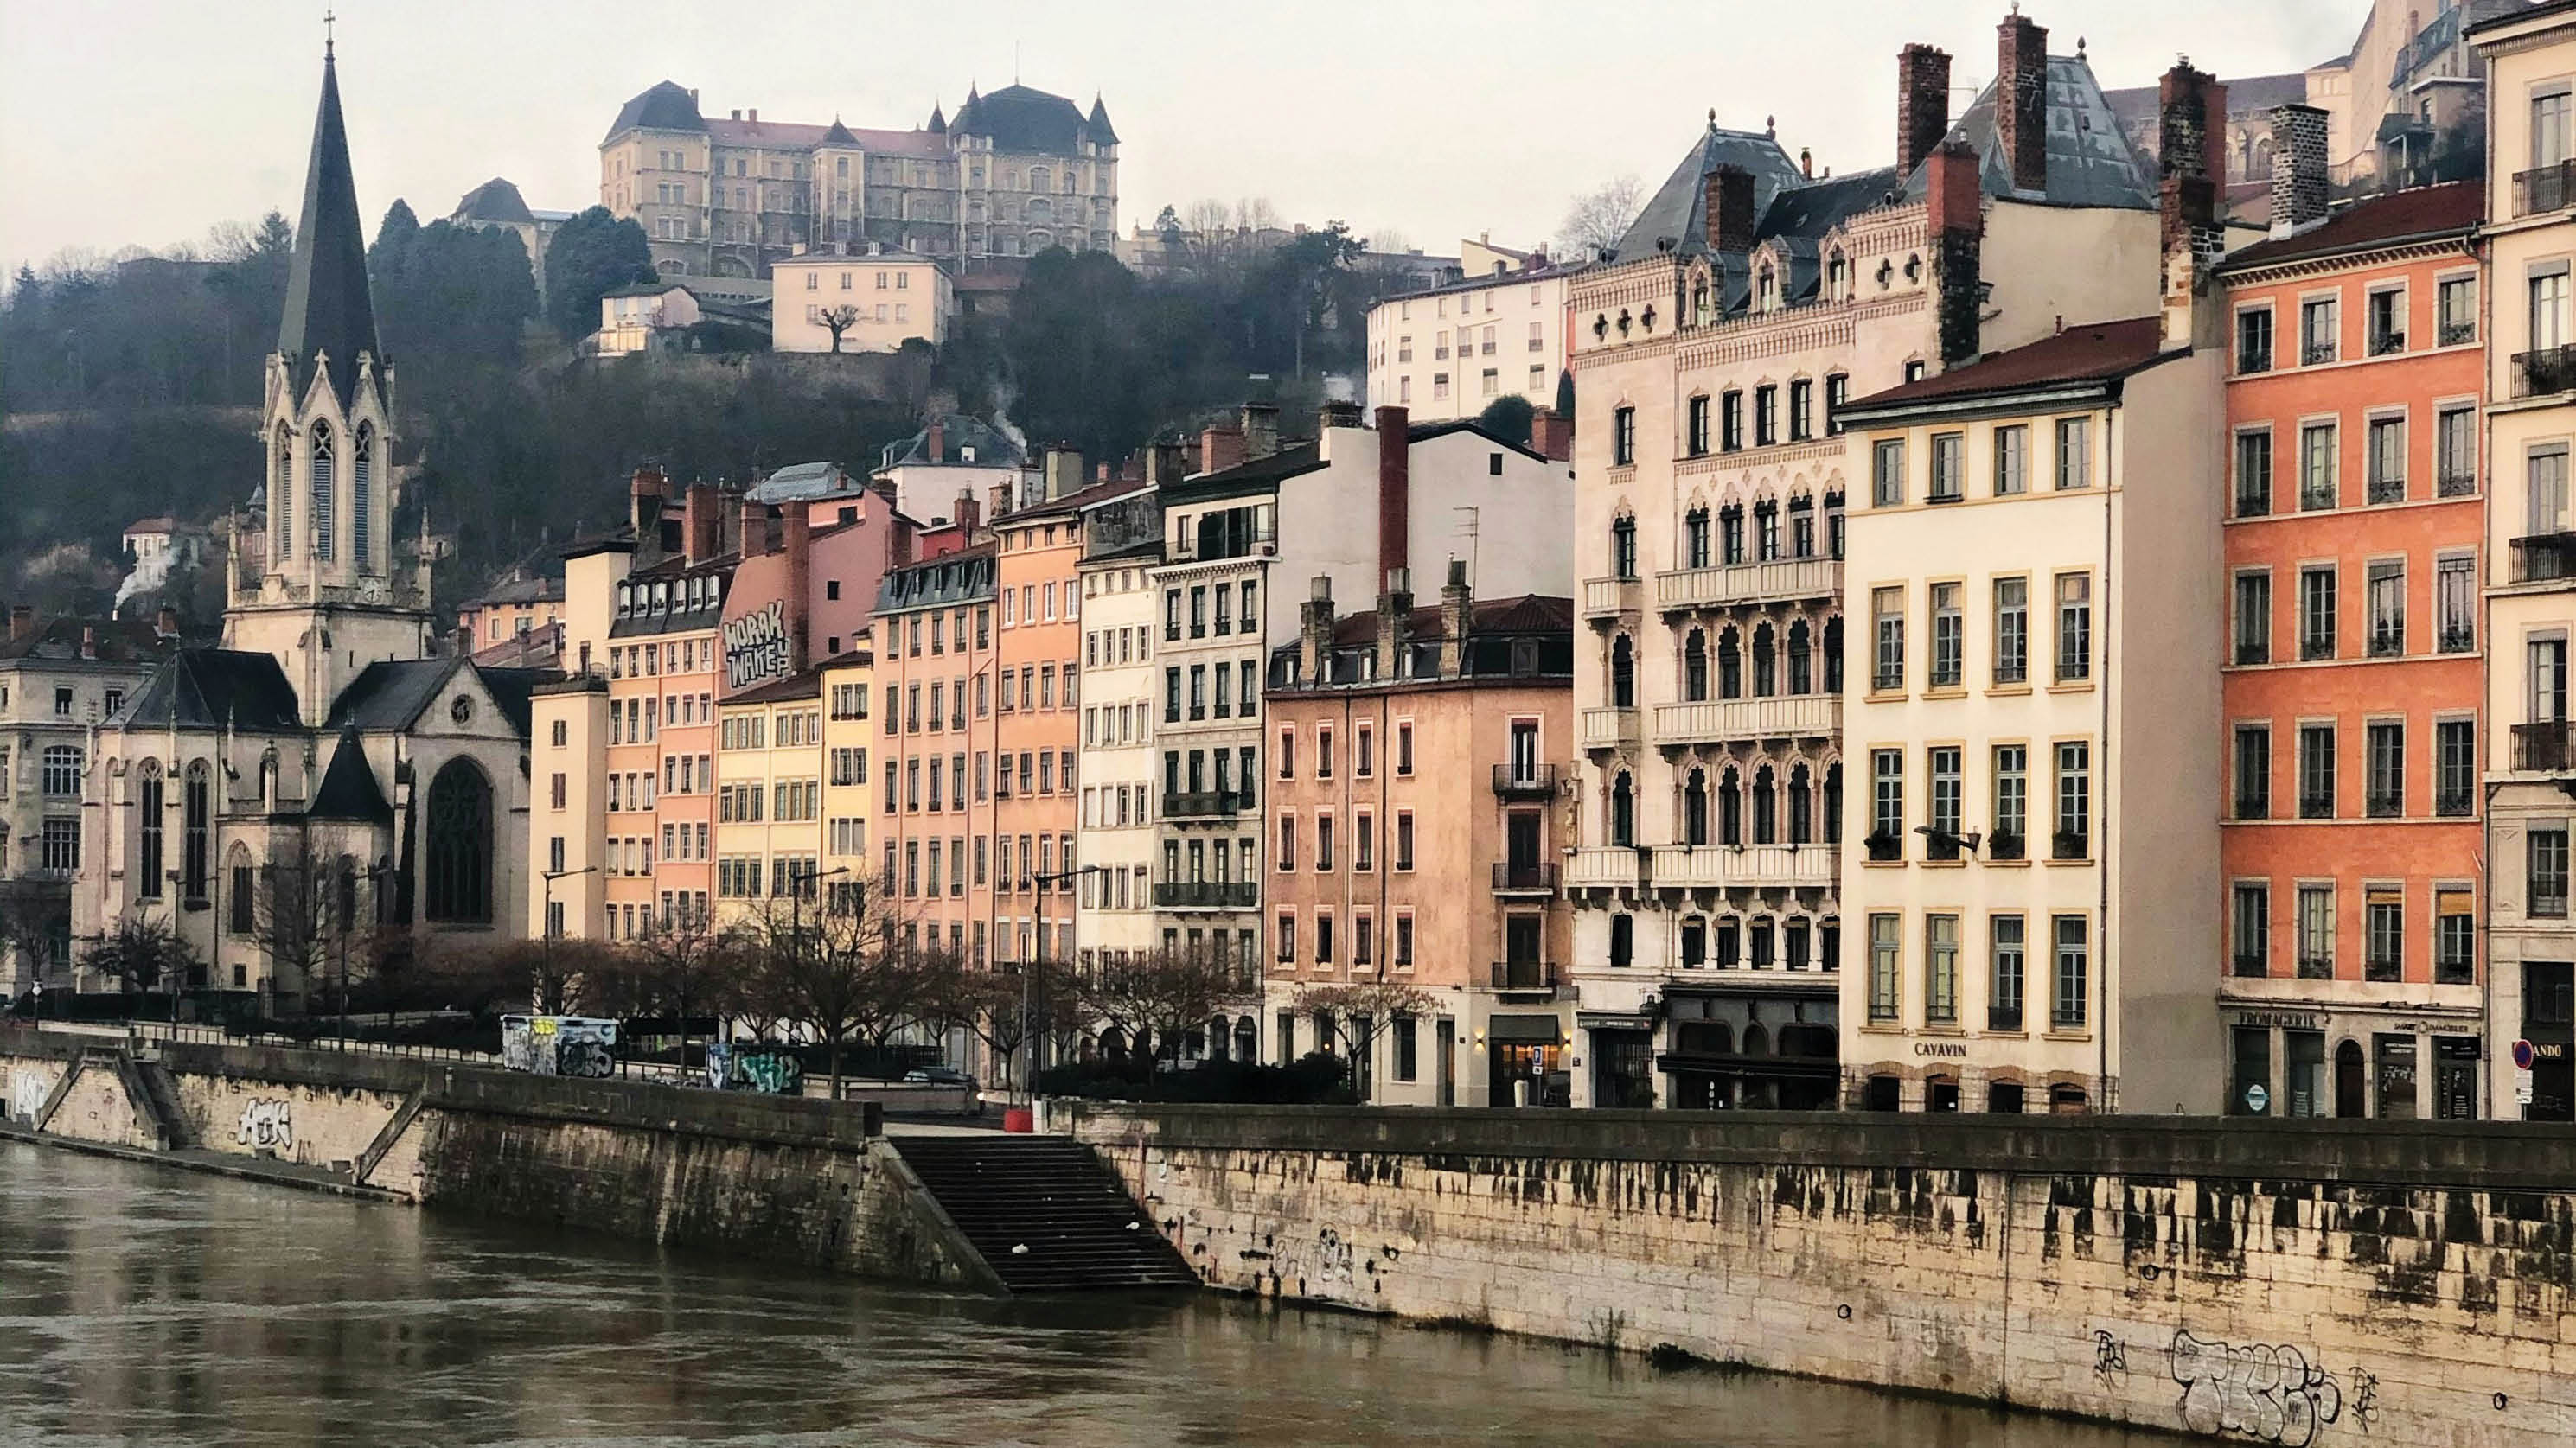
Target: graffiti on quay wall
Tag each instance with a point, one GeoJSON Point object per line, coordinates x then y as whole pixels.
{"type": "Point", "coordinates": [2110, 1358]}
{"type": "Point", "coordinates": [265, 1125]}
{"type": "Point", "coordinates": [559, 1045]}
{"type": "Point", "coordinates": [772, 1069]}
{"type": "Point", "coordinates": [2262, 1390]}
{"type": "Point", "coordinates": [27, 1093]}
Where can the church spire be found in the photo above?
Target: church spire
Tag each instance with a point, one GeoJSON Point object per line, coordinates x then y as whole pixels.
{"type": "Point", "coordinates": [328, 314]}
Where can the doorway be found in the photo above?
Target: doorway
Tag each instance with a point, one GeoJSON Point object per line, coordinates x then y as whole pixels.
{"type": "Point", "coordinates": [2351, 1085]}
{"type": "Point", "coordinates": [1444, 1038]}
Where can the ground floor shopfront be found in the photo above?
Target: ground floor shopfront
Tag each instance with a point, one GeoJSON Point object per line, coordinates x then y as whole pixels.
{"type": "Point", "coordinates": [2393, 1063]}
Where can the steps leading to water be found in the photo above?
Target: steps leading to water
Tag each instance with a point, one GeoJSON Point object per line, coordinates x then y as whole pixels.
{"type": "Point", "coordinates": [1044, 1212]}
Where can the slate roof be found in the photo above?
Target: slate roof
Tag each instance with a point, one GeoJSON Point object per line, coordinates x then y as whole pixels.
{"type": "Point", "coordinates": [543, 588]}
{"type": "Point", "coordinates": [993, 449]}
{"type": "Point", "coordinates": [1679, 207]}
{"type": "Point", "coordinates": [807, 685]}
{"type": "Point", "coordinates": [2090, 159]}
{"type": "Point", "coordinates": [58, 640]}
{"type": "Point", "coordinates": [1019, 118]}
{"type": "Point", "coordinates": [667, 106]}
{"type": "Point", "coordinates": [213, 688]}
{"type": "Point", "coordinates": [2093, 352]}
{"type": "Point", "coordinates": [964, 576]}
{"type": "Point", "coordinates": [2423, 213]}
{"type": "Point", "coordinates": [804, 480]}
{"type": "Point", "coordinates": [348, 790]}
{"type": "Point", "coordinates": [512, 688]}
{"type": "Point", "coordinates": [1101, 131]}
{"type": "Point", "coordinates": [494, 200]}
{"type": "Point", "coordinates": [328, 310]}
{"type": "Point", "coordinates": [389, 694]}
{"type": "Point", "coordinates": [1531, 613]}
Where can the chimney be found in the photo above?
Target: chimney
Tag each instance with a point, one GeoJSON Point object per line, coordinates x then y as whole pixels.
{"type": "Point", "coordinates": [1163, 463]}
{"type": "Point", "coordinates": [737, 113]}
{"type": "Point", "coordinates": [2298, 167]}
{"type": "Point", "coordinates": [1455, 609]}
{"type": "Point", "coordinates": [165, 623]}
{"type": "Point", "coordinates": [646, 493]}
{"type": "Point", "coordinates": [797, 522]}
{"type": "Point", "coordinates": [998, 501]}
{"type": "Point", "coordinates": [1220, 448]}
{"type": "Point", "coordinates": [1954, 206]}
{"type": "Point", "coordinates": [701, 525]}
{"type": "Point", "coordinates": [1806, 163]}
{"type": "Point", "coordinates": [22, 620]}
{"type": "Point", "coordinates": [2021, 99]}
{"type": "Point", "coordinates": [1315, 631]}
{"type": "Point", "coordinates": [753, 115]}
{"type": "Point", "coordinates": [756, 539]}
{"type": "Point", "coordinates": [1551, 436]}
{"type": "Point", "coordinates": [1922, 104]}
{"type": "Point", "coordinates": [1394, 491]}
{"type": "Point", "coordinates": [938, 435]}
{"type": "Point", "coordinates": [1395, 623]}
{"type": "Point", "coordinates": [1260, 430]}
{"type": "Point", "coordinates": [969, 517]}
{"type": "Point", "coordinates": [89, 641]}
{"type": "Point", "coordinates": [1063, 472]}
{"type": "Point", "coordinates": [1730, 210]}
{"type": "Point", "coordinates": [1336, 414]}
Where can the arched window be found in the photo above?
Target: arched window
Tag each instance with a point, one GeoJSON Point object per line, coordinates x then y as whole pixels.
{"type": "Point", "coordinates": [1040, 179]}
{"type": "Point", "coordinates": [1623, 810]}
{"type": "Point", "coordinates": [281, 500]}
{"type": "Point", "coordinates": [1766, 668]}
{"type": "Point", "coordinates": [1802, 669]}
{"type": "Point", "coordinates": [1695, 808]}
{"type": "Point", "coordinates": [460, 844]}
{"type": "Point", "coordinates": [1623, 673]}
{"type": "Point", "coordinates": [195, 825]}
{"type": "Point", "coordinates": [1695, 667]}
{"type": "Point", "coordinates": [1766, 807]}
{"type": "Point", "coordinates": [1695, 538]}
{"type": "Point", "coordinates": [241, 892]}
{"type": "Point", "coordinates": [1834, 525]}
{"type": "Point", "coordinates": [150, 805]}
{"type": "Point", "coordinates": [1623, 547]}
{"type": "Point", "coordinates": [1730, 666]}
{"type": "Point", "coordinates": [321, 470]}
{"type": "Point", "coordinates": [1802, 812]}
{"type": "Point", "coordinates": [1757, 1041]}
{"type": "Point", "coordinates": [362, 479]}
{"type": "Point", "coordinates": [1730, 525]}
{"type": "Point", "coordinates": [1834, 803]}
{"type": "Point", "coordinates": [1834, 655]}
{"type": "Point", "coordinates": [1730, 808]}
{"type": "Point", "coordinates": [1766, 528]}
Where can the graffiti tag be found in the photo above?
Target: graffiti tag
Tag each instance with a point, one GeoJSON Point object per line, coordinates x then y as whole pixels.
{"type": "Point", "coordinates": [2262, 1390]}
{"type": "Point", "coordinates": [2110, 1357]}
{"type": "Point", "coordinates": [265, 1126]}
{"type": "Point", "coordinates": [2365, 1396]}
{"type": "Point", "coordinates": [1333, 1257]}
{"type": "Point", "coordinates": [27, 1093]}
{"type": "Point", "coordinates": [756, 646]}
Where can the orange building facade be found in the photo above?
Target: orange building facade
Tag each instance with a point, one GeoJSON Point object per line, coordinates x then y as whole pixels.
{"type": "Point", "coordinates": [2351, 840]}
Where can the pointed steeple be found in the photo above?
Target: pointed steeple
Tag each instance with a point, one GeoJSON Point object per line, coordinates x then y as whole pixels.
{"type": "Point", "coordinates": [838, 135]}
{"type": "Point", "coordinates": [938, 122]}
{"type": "Point", "coordinates": [329, 314]}
{"type": "Point", "coordinates": [1102, 133]}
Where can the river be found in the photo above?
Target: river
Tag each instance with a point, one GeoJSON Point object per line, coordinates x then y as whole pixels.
{"type": "Point", "coordinates": [143, 1304]}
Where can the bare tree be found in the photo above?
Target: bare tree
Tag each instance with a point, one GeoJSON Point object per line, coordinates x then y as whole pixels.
{"type": "Point", "coordinates": [832, 966]}
{"type": "Point", "coordinates": [1598, 218]}
{"type": "Point", "coordinates": [1158, 996]}
{"type": "Point", "coordinates": [143, 953]}
{"type": "Point", "coordinates": [550, 977]}
{"type": "Point", "coordinates": [686, 969]}
{"type": "Point", "coordinates": [1359, 1013]}
{"type": "Point", "coordinates": [33, 918]}
{"type": "Point", "coordinates": [838, 320]}
{"type": "Point", "coordinates": [291, 915]}
{"type": "Point", "coordinates": [1005, 1007]}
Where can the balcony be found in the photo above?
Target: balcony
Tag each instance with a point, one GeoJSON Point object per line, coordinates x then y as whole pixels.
{"type": "Point", "coordinates": [2544, 188]}
{"type": "Point", "coordinates": [1527, 975]}
{"type": "Point", "coordinates": [1609, 867]}
{"type": "Point", "coordinates": [2387, 490]}
{"type": "Point", "coordinates": [2453, 804]}
{"type": "Point", "coordinates": [1610, 728]}
{"type": "Point", "coordinates": [1784, 716]}
{"type": "Point", "coordinates": [2004, 845]}
{"type": "Point", "coordinates": [1608, 599]}
{"type": "Point", "coordinates": [2458, 334]}
{"type": "Point", "coordinates": [1717, 867]}
{"type": "Point", "coordinates": [1775, 580]}
{"type": "Point", "coordinates": [2456, 480]}
{"type": "Point", "coordinates": [2544, 558]}
{"type": "Point", "coordinates": [1529, 781]}
{"type": "Point", "coordinates": [2545, 371]}
{"type": "Point", "coordinates": [1206, 895]}
{"type": "Point", "coordinates": [1202, 804]}
{"type": "Point", "coordinates": [2316, 806]}
{"type": "Point", "coordinates": [1512, 878]}
{"type": "Point", "coordinates": [2315, 353]}
{"type": "Point", "coordinates": [2387, 344]}
{"type": "Point", "coordinates": [2541, 748]}
{"type": "Point", "coordinates": [2070, 845]}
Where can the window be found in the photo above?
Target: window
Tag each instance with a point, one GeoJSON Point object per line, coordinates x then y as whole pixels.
{"type": "Point", "coordinates": [1888, 611]}
{"type": "Point", "coordinates": [2547, 848]}
{"type": "Point", "coordinates": [2315, 926]}
{"type": "Point", "coordinates": [1883, 966]}
{"type": "Point", "coordinates": [2253, 618]}
{"type": "Point", "coordinates": [1623, 437]}
{"type": "Point", "coordinates": [2253, 771]}
{"type": "Point", "coordinates": [1949, 467]}
{"type": "Point", "coordinates": [1948, 807]}
{"type": "Point", "coordinates": [2074, 627]}
{"type": "Point", "coordinates": [2073, 840]}
{"type": "Point", "coordinates": [2317, 612]}
{"type": "Point", "coordinates": [2455, 452]}
{"type": "Point", "coordinates": [2455, 767]}
{"type": "Point", "coordinates": [2012, 802]}
{"type": "Point", "coordinates": [2387, 443]}
{"type": "Point", "coordinates": [1730, 421]}
{"type": "Point", "coordinates": [1802, 409]}
{"type": "Point", "coordinates": [2455, 936]}
{"type": "Point", "coordinates": [2012, 460]}
{"type": "Point", "coordinates": [1837, 392]}
{"type": "Point", "coordinates": [1696, 439]}
{"type": "Point", "coordinates": [2254, 341]}
{"type": "Point", "coordinates": [2385, 595]}
{"type": "Point", "coordinates": [2254, 473]}
{"type": "Point", "coordinates": [1887, 475]}
{"type": "Point", "coordinates": [2383, 944]}
{"type": "Point", "coordinates": [1941, 970]}
{"type": "Point", "coordinates": [2071, 1009]}
{"type": "Point", "coordinates": [1949, 637]}
{"type": "Point", "coordinates": [1766, 415]}
{"type": "Point", "coordinates": [2074, 453]}
{"type": "Point", "coordinates": [2012, 630]}
{"type": "Point", "coordinates": [2384, 745]}
{"type": "Point", "coordinates": [1695, 549]}
{"type": "Point", "coordinates": [2455, 311]}
{"type": "Point", "coordinates": [2316, 771]}
{"type": "Point", "coordinates": [2250, 927]}
{"type": "Point", "coordinates": [2004, 994]}
{"type": "Point", "coordinates": [1623, 548]}
{"type": "Point", "coordinates": [2318, 332]}
{"type": "Point", "coordinates": [61, 773]}
{"type": "Point", "coordinates": [2387, 321]}
{"type": "Point", "coordinates": [1887, 804]}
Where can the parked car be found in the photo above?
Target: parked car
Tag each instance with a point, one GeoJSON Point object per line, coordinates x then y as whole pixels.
{"type": "Point", "coordinates": [938, 1076]}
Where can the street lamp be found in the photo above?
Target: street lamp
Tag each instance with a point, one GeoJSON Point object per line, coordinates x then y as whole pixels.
{"type": "Point", "coordinates": [546, 919]}
{"type": "Point", "coordinates": [797, 880]}
{"type": "Point", "coordinates": [1028, 1065]}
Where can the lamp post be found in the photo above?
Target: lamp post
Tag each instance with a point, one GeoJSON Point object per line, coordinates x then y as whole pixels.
{"type": "Point", "coordinates": [797, 880]}
{"type": "Point", "coordinates": [546, 925]}
{"type": "Point", "coordinates": [1028, 1065]}
{"type": "Point", "coordinates": [345, 909]}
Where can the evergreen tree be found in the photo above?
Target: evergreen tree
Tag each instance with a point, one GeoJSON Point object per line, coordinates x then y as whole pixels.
{"type": "Point", "coordinates": [595, 253]}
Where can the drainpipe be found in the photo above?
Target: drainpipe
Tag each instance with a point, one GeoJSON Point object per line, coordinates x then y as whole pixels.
{"type": "Point", "coordinates": [2112, 426]}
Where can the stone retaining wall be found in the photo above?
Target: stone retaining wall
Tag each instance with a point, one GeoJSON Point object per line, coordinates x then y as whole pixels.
{"type": "Point", "coordinates": [2296, 1283]}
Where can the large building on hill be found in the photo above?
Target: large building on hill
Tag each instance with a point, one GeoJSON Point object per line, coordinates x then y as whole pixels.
{"type": "Point", "coordinates": [1014, 173]}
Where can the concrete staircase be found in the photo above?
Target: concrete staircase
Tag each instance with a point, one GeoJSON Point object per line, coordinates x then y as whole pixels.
{"type": "Point", "coordinates": [1044, 1212]}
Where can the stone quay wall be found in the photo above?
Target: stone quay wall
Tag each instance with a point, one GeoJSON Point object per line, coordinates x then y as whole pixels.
{"type": "Point", "coordinates": [787, 1178]}
{"type": "Point", "coordinates": [2245, 1280]}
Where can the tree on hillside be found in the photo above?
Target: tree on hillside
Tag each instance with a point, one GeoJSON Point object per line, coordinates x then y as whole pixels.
{"type": "Point", "coordinates": [249, 279]}
{"type": "Point", "coordinates": [1507, 416]}
{"type": "Point", "coordinates": [450, 297]}
{"type": "Point", "coordinates": [1598, 218]}
{"type": "Point", "coordinates": [593, 254]}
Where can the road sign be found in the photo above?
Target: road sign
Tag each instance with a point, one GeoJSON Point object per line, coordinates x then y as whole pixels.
{"type": "Point", "coordinates": [2258, 1098]}
{"type": "Point", "coordinates": [2522, 1054]}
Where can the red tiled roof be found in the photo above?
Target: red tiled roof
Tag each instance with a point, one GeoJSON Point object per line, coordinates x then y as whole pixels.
{"type": "Point", "coordinates": [2453, 208]}
{"type": "Point", "coordinates": [1530, 613]}
{"type": "Point", "coordinates": [2093, 352]}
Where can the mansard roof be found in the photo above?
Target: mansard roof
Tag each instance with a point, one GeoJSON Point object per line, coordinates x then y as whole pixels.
{"type": "Point", "coordinates": [667, 106]}
{"type": "Point", "coordinates": [349, 790]}
{"type": "Point", "coordinates": [215, 689]}
{"type": "Point", "coordinates": [1678, 211]}
{"type": "Point", "coordinates": [1019, 118]}
{"type": "Point", "coordinates": [2090, 159]}
{"type": "Point", "coordinates": [329, 313]}
{"type": "Point", "coordinates": [494, 200]}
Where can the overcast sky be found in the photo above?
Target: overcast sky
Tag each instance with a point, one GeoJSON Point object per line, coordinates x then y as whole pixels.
{"type": "Point", "coordinates": [147, 121]}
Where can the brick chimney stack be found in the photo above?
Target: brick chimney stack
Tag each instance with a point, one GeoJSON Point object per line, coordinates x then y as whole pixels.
{"type": "Point", "coordinates": [2298, 167]}
{"type": "Point", "coordinates": [1551, 436]}
{"type": "Point", "coordinates": [798, 524]}
{"type": "Point", "coordinates": [1220, 448]}
{"type": "Point", "coordinates": [1922, 104]}
{"type": "Point", "coordinates": [1457, 604]}
{"type": "Point", "coordinates": [165, 622]}
{"type": "Point", "coordinates": [1260, 430]}
{"type": "Point", "coordinates": [1395, 624]}
{"type": "Point", "coordinates": [22, 620]}
{"type": "Point", "coordinates": [756, 539]}
{"type": "Point", "coordinates": [2190, 103]}
{"type": "Point", "coordinates": [1315, 631]}
{"type": "Point", "coordinates": [2021, 99]}
{"type": "Point", "coordinates": [938, 437]}
{"type": "Point", "coordinates": [701, 525]}
{"type": "Point", "coordinates": [1954, 204]}
{"type": "Point", "coordinates": [1394, 490]}
{"type": "Point", "coordinates": [1730, 211]}
{"type": "Point", "coordinates": [645, 493]}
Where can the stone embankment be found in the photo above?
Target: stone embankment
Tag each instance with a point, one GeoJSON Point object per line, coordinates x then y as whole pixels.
{"type": "Point", "coordinates": [2404, 1283]}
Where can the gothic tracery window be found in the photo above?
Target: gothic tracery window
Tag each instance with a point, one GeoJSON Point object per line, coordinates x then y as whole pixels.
{"type": "Point", "coordinates": [460, 845]}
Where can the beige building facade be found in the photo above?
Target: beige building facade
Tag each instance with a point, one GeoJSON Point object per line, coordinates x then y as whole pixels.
{"type": "Point", "coordinates": [1452, 351]}
{"type": "Point", "coordinates": [880, 297]}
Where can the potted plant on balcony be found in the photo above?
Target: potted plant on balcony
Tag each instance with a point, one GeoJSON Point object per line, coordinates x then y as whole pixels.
{"type": "Point", "coordinates": [2004, 845]}
{"type": "Point", "coordinates": [1883, 846]}
{"type": "Point", "coordinates": [2069, 844]}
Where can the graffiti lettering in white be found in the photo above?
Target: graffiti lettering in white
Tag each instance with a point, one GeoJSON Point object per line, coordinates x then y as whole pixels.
{"type": "Point", "coordinates": [266, 1126]}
